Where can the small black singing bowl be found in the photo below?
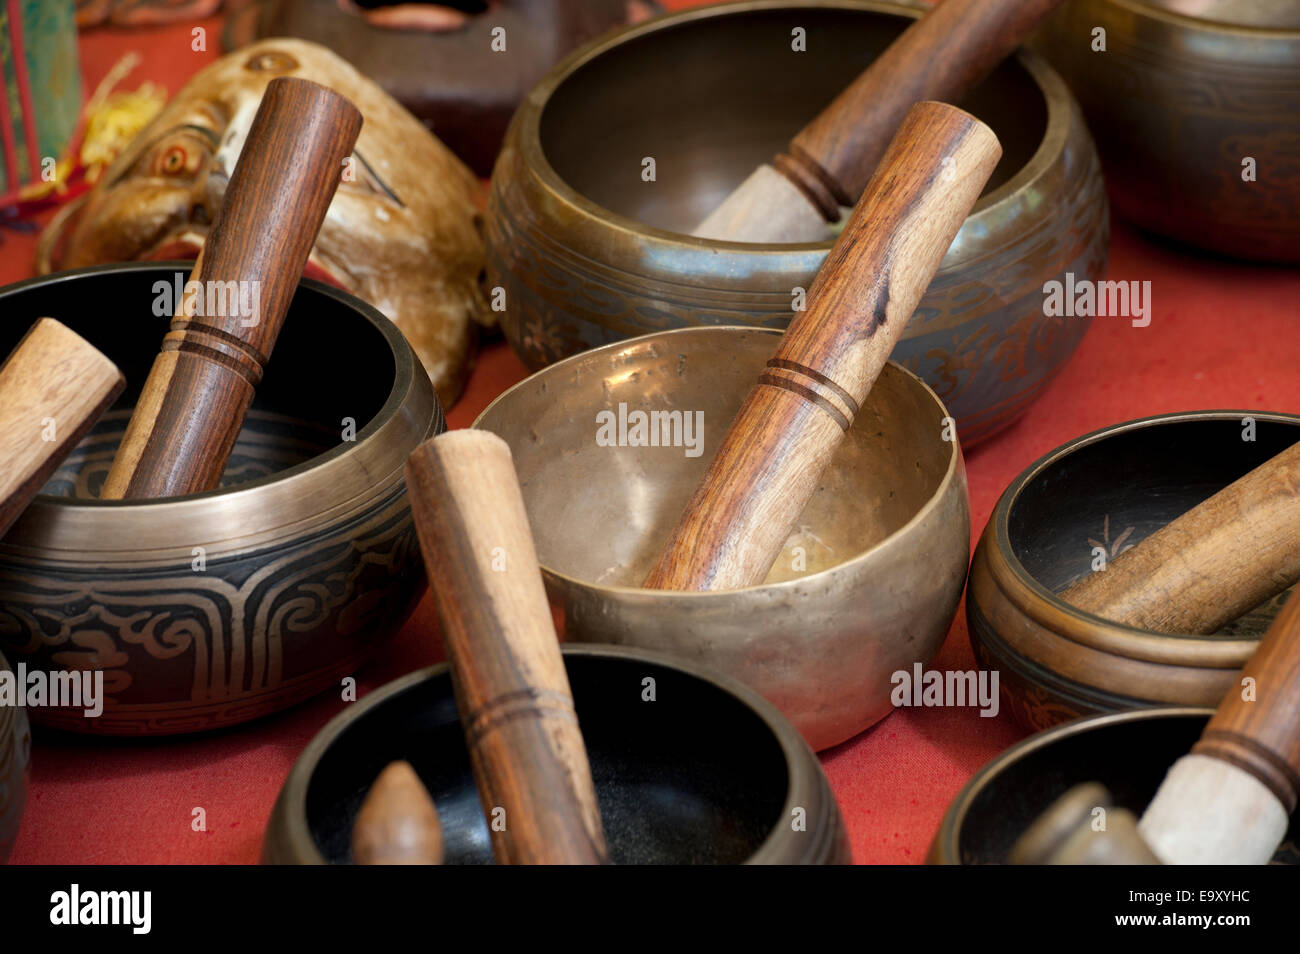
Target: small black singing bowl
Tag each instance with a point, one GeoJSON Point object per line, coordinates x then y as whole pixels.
{"type": "Point", "coordinates": [1127, 752]}
{"type": "Point", "coordinates": [1101, 494]}
{"type": "Point", "coordinates": [705, 772]}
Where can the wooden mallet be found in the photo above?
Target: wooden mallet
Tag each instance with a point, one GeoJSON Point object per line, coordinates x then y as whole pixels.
{"type": "Point", "coordinates": [53, 387]}
{"type": "Point", "coordinates": [1217, 561]}
{"type": "Point", "coordinates": [197, 394]}
{"type": "Point", "coordinates": [1227, 802]}
{"type": "Point", "coordinates": [773, 454]}
{"type": "Point", "coordinates": [940, 57]}
{"type": "Point", "coordinates": [511, 686]}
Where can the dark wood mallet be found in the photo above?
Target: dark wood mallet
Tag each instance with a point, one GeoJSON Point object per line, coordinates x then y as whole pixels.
{"type": "Point", "coordinates": [828, 164]}
{"type": "Point", "coordinates": [511, 686]}
{"type": "Point", "coordinates": [775, 450]}
{"type": "Point", "coordinates": [53, 387]}
{"type": "Point", "coordinates": [202, 383]}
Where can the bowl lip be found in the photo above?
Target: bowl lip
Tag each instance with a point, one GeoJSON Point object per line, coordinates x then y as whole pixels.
{"type": "Point", "coordinates": [946, 848]}
{"type": "Point", "coordinates": [1188, 22]}
{"type": "Point", "coordinates": [1050, 86]}
{"type": "Point", "coordinates": [288, 821]}
{"type": "Point", "coordinates": [1088, 629]}
{"type": "Point", "coordinates": [951, 475]}
{"type": "Point", "coordinates": [405, 389]}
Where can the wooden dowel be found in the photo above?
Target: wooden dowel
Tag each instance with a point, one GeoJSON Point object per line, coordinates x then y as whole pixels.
{"type": "Point", "coordinates": [398, 823]}
{"type": "Point", "coordinates": [512, 690]}
{"type": "Point", "coordinates": [1217, 561]}
{"type": "Point", "coordinates": [202, 383]}
{"type": "Point", "coordinates": [772, 457]}
{"type": "Point", "coordinates": [1230, 800]}
{"type": "Point", "coordinates": [53, 387]}
{"type": "Point", "coordinates": [828, 164]}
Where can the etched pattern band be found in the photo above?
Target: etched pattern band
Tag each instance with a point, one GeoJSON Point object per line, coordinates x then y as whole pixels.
{"type": "Point", "coordinates": [816, 388]}
{"type": "Point", "coordinates": [219, 347]}
{"type": "Point", "coordinates": [512, 706]}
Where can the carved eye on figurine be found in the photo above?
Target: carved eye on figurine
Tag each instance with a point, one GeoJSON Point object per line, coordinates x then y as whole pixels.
{"type": "Point", "coordinates": [271, 61]}
{"type": "Point", "coordinates": [181, 153]}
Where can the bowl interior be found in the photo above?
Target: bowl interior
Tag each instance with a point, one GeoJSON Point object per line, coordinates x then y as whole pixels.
{"type": "Point", "coordinates": [602, 514]}
{"type": "Point", "coordinates": [694, 777]}
{"type": "Point", "coordinates": [1125, 486]}
{"type": "Point", "coordinates": [1129, 757]}
{"type": "Point", "coordinates": [330, 363]}
{"type": "Point", "coordinates": [738, 93]}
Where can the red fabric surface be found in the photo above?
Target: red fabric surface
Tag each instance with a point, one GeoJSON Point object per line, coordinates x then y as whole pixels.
{"type": "Point", "coordinates": [1222, 335]}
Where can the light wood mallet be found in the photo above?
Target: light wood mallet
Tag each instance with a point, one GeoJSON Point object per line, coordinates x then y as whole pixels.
{"type": "Point", "coordinates": [53, 387]}
{"type": "Point", "coordinates": [511, 686]}
{"type": "Point", "coordinates": [941, 56]}
{"type": "Point", "coordinates": [1219, 560]}
{"type": "Point", "coordinates": [202, 383]}
{"type": "Point", "coordinates": [773, 454]}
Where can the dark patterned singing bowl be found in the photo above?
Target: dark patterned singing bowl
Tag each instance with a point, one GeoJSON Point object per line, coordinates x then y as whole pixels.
{"type": "Point", "coordinates": [588, 253]}
{"type": "Point", "coordinates": [211, 609]}
{"type": "Point", "coordinates": [1178, 103]}
{"type": "Point", "coordinates": [1127, 752]}
{"type": "Point", "coordinates": [15, 755]}
{"type": "Point", "coordinates": [1104, 493]}
{"type": "Point", "coordinates": [705, 773]}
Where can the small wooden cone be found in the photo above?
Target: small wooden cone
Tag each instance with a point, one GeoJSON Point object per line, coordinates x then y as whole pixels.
{"type": "Point", "coordinates": [398, 823]}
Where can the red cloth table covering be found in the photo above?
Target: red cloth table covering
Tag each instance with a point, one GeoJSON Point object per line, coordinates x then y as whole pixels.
{"type": "Point", "coordinates": [1222, 335]}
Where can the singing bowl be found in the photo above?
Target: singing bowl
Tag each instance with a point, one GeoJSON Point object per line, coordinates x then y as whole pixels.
{"type": "Point", "coordinates": [1127, 752]}
{"type": "Point", "coordinates": [588, 253]}
{"type": "Point", "coordinates": [884, 540]}
{"type": "Point", "coordinates": [1177, 104]}
{"type": "Point", "coordinates": [210, 609]}
{"type": "Point", "coordinates": [15, 755]}
{"type": "Point", "coordinates": [706, 773]}
{"type": "Point", "coordinates": [1106, 491]}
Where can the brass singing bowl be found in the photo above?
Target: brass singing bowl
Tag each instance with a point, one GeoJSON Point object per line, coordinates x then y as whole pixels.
{"type": "Point", "coordinates": [15, 756]}
{"type": "Point", "coordinates": [589, 253]}
{"type": "Point", "coordinates": [1177, 104]}
{"type": "Point", "coordinates": [1096, 496]}
{"type": "Point", "coordinates": [706, 773]}
{"type": "Point", "coordinates": [867, 584]}
{"type": "Point", "coordinates": [211, 609]}
{"type": "Point", "coordinates": [1127, 752]}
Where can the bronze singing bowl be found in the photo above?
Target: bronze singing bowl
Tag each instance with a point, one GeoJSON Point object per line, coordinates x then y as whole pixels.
{"type": "Point", "coordinates": [1127, 752]}
{"type": "Point", "coordinates": [211, 609]}
{"type": "Point", "coordinates": [1108, 490]}
{"type": "Point", "coordinates": [1177, 103]}
{"type": "Point", "coordinates": [707, 773]}
{"type": "Point", "coordinates": [15, 755]}
{"type": "Point", "coordinates": [588, 253]}
{"type": "Point", "coordinates": [884, 540]}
